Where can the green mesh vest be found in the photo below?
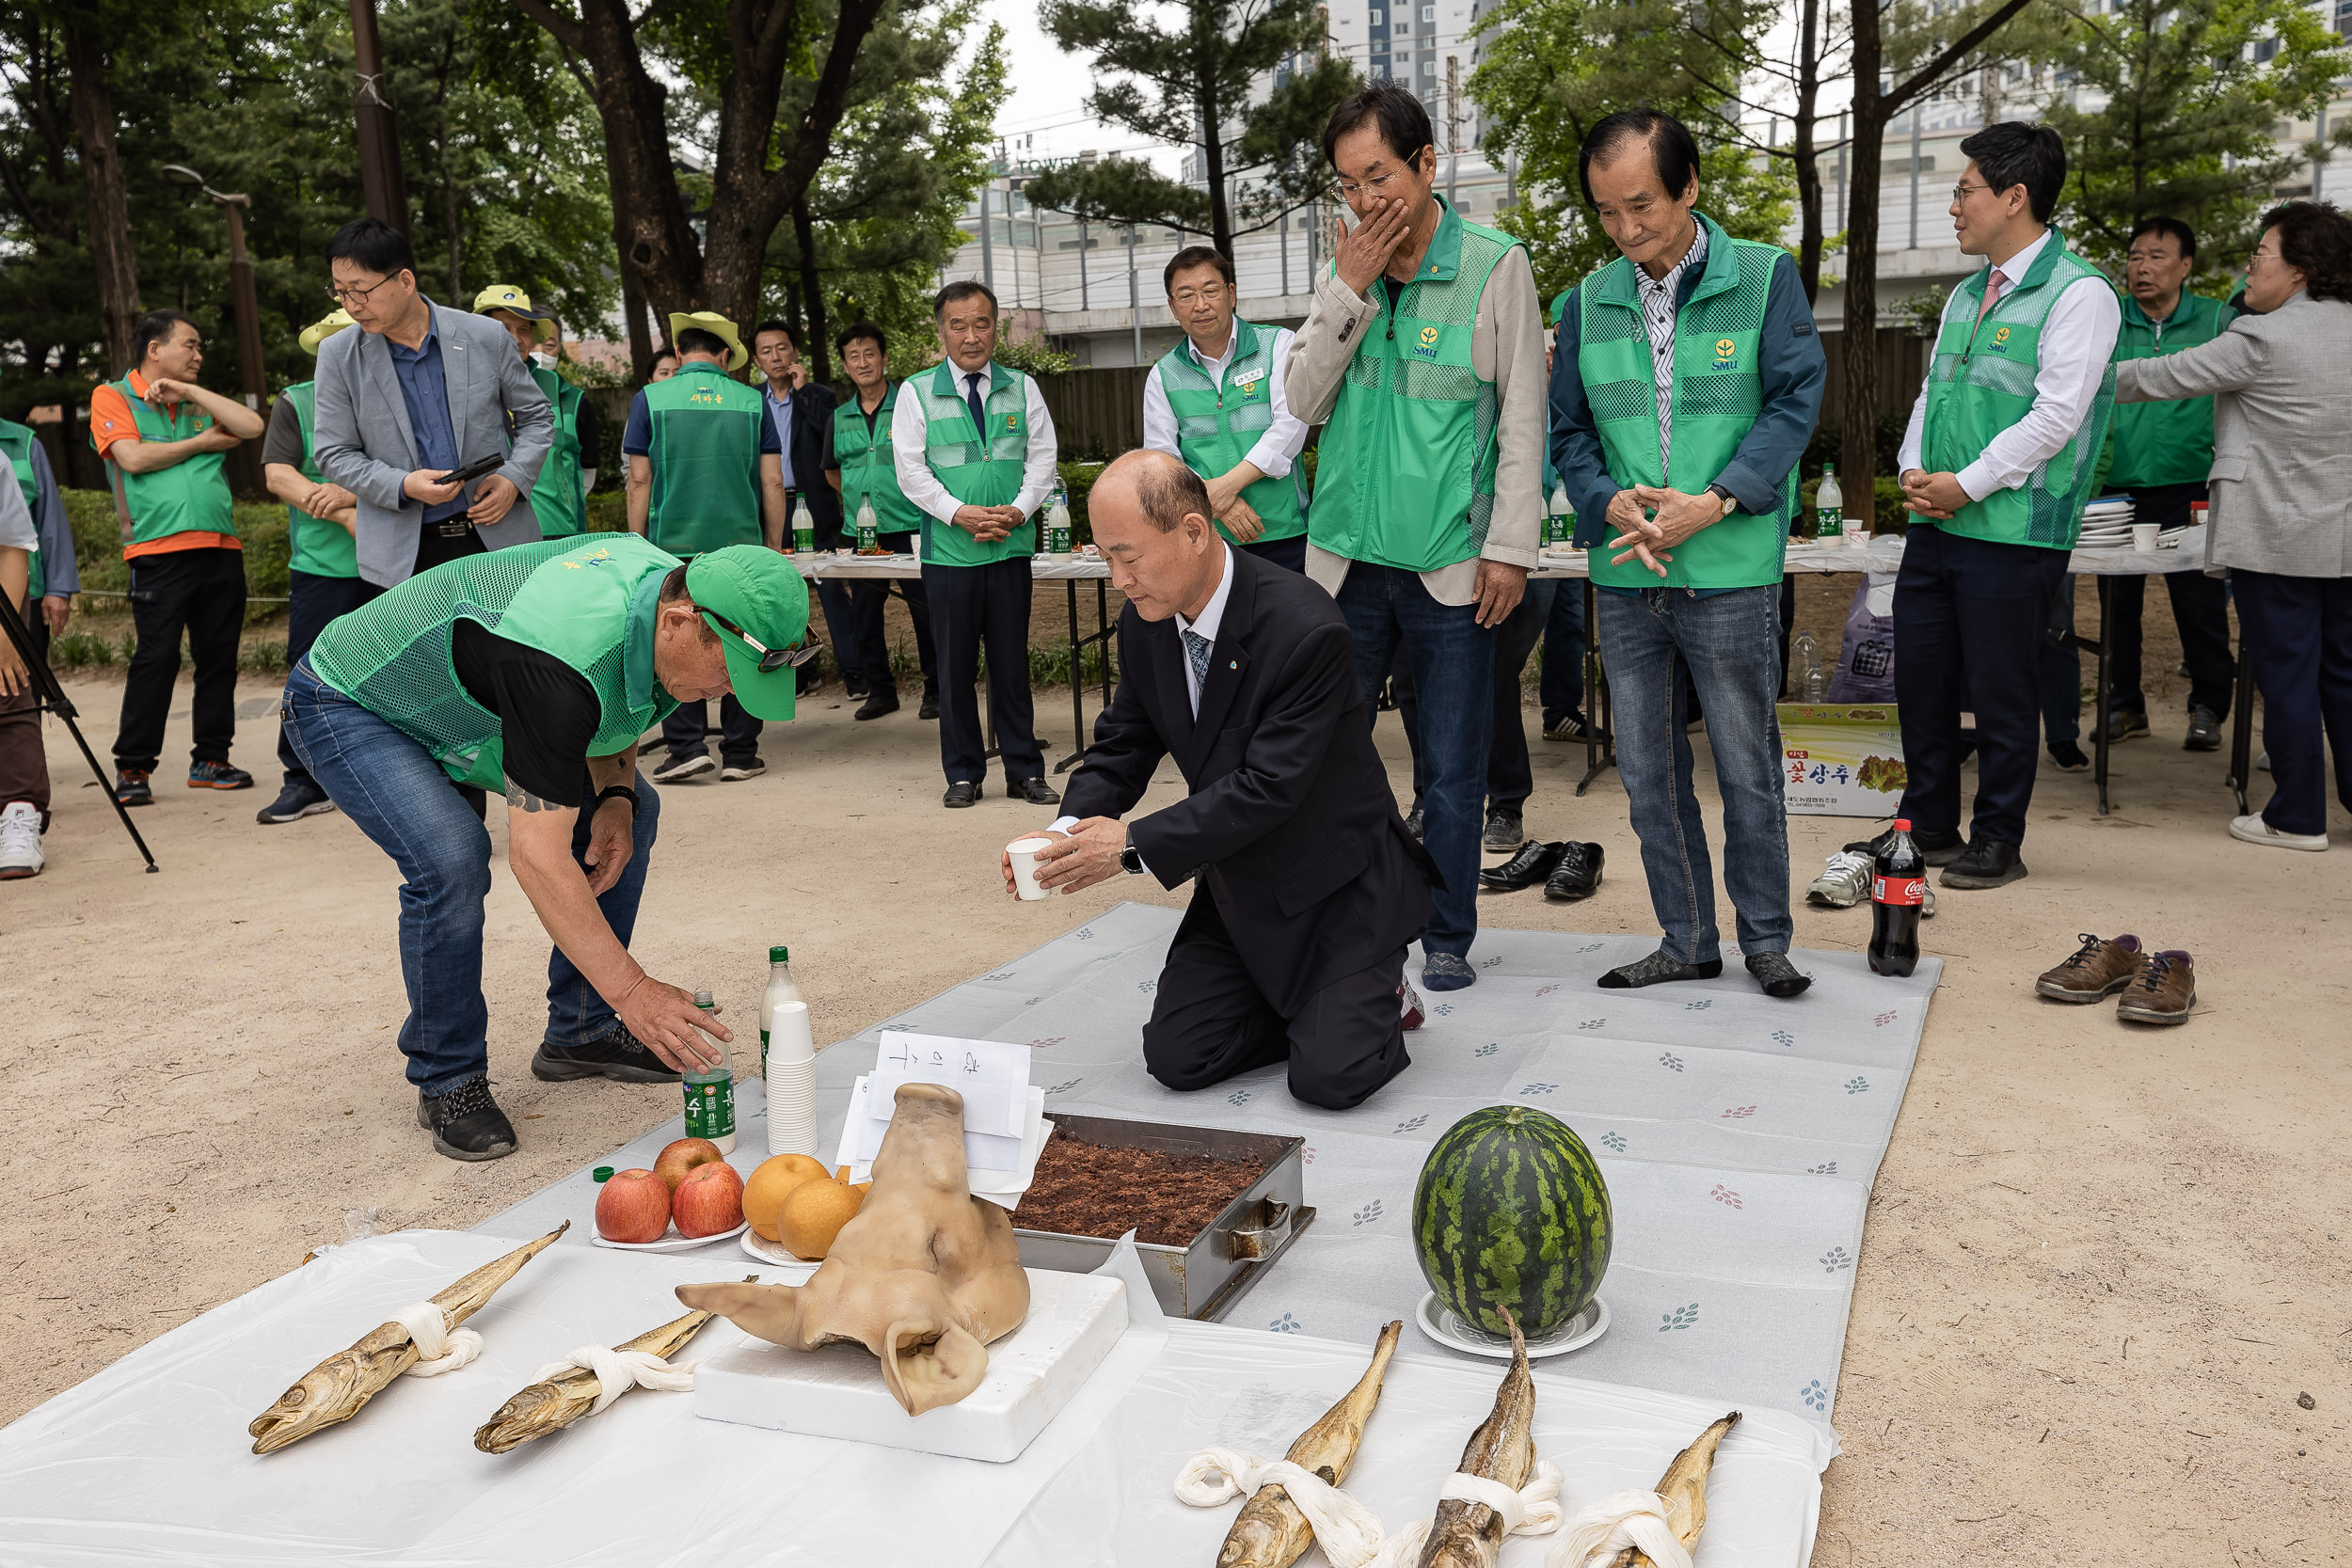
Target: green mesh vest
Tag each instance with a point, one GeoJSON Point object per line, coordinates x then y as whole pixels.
{"type": "Point", "coordinates": [1407, 475]}
{"type": "Point", "coordinates": [976, 469]}
{"type": "Point", "coordinates": [1218, 421]}
{"type": "Point", "coordinates": [1718, 395]}
{"type": "Point", "coordinates": [191, 496]}
{"type": "Point", "coordinates": [1980, 382]}
{"type": "Point", "coordinates": [17, 441]}
{"type": "Point", "coordinates": [322, 548]}
{"type": "Point", "coordinates": [869, 465]}
{"type": "Point", "coordinates": [559, 498]}
{"type": "Point", "coordinates": [589, 602]}
{"type": "Point", "coordinates": [705, 460]}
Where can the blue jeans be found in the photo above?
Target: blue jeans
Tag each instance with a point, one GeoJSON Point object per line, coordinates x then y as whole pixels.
{"type": "Point", "coordinates": [399, 797]}
{"type": "Point", "coordinates": [1510, 775]}
{"type": "Point", "coordinates": [1561, 687]}
{"type": "Point", "coordinates": [1453, 663]}
{"type": "Point", "coordinates": [1729, 644]}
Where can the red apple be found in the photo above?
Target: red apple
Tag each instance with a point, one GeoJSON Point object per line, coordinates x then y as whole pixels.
{"type": "Point", "coordinates": [683, 1156]}
{"type": "Point", "coordinates": [634, 1206]}
{"type": "Point", "coordinates": [710, 1200]}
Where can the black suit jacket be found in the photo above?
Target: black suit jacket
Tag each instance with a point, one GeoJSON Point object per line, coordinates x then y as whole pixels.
{"type": "Point", "coordinates": [1291, 825]}
{"type": "Point", "coordinates": [811, 454]}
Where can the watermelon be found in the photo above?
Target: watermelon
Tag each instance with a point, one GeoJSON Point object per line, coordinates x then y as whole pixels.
{"type": "Point", "coordinates": [1511, 1212]}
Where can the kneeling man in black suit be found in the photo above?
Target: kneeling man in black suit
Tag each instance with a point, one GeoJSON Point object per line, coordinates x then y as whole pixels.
{"type": "Point", "coordinates": [1309, 888]}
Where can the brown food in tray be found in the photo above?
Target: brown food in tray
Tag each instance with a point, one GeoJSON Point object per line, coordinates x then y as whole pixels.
{"type": "Point", "coordinates": [1086, 1189]}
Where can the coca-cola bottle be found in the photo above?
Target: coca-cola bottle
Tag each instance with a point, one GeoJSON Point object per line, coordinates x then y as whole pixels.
{"type": "Point", "coordinates": [1899, 885]}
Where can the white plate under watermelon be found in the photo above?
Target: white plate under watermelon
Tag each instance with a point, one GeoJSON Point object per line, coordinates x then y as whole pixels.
{"type": "Point", "coordinates": [1447, 1329]}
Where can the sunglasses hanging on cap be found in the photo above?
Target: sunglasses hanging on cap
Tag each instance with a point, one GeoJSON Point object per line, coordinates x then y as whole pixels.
{"type": "Point", "coordinates": [770, 659]}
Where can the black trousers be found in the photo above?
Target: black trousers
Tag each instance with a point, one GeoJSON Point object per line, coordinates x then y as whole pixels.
{"type": "Point", "coordinates": [1289, 553]}
{"type": "Point", "coordinates": [971, 605]}
{"type": "Point", "coordinates": [1210, 1020]}
{"type": "Point", "coordinates": [2299, 639]}
{"type": "Point", "coordinates": [683, 732]}
{"type": "Point", "coordinates": [200, 593]}
{"type": "Point", "coordinates": [1970, 626]}
{"type": "Point", "coordinates": [314, 601]}
{"type": "Point", "coordinates": [2200, 609]}
{"type": "Point", "coordinates": [868, 599]}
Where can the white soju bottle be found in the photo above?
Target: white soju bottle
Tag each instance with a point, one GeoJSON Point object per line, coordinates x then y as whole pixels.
{"type": "Point", "coordinates": [1559, 521]}
{"type": "Point", "coordinates": [1057, 521]}
{"type": "Point", "coordinates": [868, 538]}
{"type": "Point", "coordinates": [804, 526]}
{"type": "Point", "coordinates": [780, 989]}
{"type": "Point", "coordinates": [1829, 504]}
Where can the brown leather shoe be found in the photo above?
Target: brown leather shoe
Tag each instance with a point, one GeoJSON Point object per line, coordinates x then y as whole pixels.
{"type": "Point", "coordinates": [2097, 971]}
{"type": "Point", "coordinates": [2164, 992]}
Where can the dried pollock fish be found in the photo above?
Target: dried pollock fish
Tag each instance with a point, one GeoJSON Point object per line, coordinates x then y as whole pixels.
{"type": "Point", "coordinates": [1468, 1534]}
{"type": "Point", "coordinates": [556, 1403]}
{"type": "Point", "coordinates": [1270, 1531]}
{"type": "Point", "coordinates": [1684, 1487]}
{"type": "Point", "coordinates": [334, 1390]}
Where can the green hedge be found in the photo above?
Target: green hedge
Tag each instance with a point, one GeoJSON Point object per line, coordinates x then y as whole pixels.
{"type": "Point", "coordinates": [97, 549]}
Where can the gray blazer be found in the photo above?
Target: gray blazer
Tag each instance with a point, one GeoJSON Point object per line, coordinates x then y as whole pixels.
{"type": "Point", "coordinates": [2281, 482]}
{"type": "Point", "coordinates": [365, 444]}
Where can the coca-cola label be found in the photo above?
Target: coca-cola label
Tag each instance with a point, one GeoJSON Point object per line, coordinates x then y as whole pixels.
{"type": "Point", "coordinates": [1899, 890]}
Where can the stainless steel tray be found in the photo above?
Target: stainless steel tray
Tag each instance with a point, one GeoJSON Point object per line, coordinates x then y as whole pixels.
{"type": "Point", "coordinates": [1205, 1279]}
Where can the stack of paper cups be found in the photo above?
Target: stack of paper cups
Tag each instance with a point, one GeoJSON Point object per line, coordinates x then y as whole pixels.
{"type": "Point", "coordinates": [792, 1081]}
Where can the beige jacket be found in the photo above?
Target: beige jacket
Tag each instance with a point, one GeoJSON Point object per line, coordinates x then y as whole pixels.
{"type": "Point", "coordinates": [2281, 483]}
{"type": "Point", "coordinates": [1506, 348]}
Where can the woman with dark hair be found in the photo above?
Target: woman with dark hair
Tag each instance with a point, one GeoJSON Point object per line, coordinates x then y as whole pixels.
{"type": "Point", "coordinates": [2282, 522]}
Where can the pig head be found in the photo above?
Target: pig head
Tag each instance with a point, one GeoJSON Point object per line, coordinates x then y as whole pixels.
{"type": "Point", "coordinates": [926, 1275]}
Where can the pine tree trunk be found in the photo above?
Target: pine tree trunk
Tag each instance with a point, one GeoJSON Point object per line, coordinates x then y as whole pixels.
{"type": "Point", "coordinates": [817, 348]}
{"type": "Point", "coordinates": [112, 256]}
{"type": "Point", "coordinates": [1805, 154]}
{"type": "Point", "coordinates": [1859, 340]}
{"type": "Point", "coordinates": [1212, 165]}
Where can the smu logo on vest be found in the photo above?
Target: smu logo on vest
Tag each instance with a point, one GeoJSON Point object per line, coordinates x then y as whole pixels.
{"type": "Point", "coordinates": [2000, 337]}
{"type": "Point", "coordinates": [1727, 353]}
{"type": "Point", "coordinates": [1427, 347]}
{"type": "Point", "coordinates": [580, 564]}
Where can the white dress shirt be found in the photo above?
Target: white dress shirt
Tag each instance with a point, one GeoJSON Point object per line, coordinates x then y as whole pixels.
{"type": "Point", "coordinates": [1212, 617]}
{"type": "Point", "coordinates": [1275, 450]}
{"type": "Point", "coordinates": [2077, 340]}
{"type": "Point", "coordinates": [921, 486]}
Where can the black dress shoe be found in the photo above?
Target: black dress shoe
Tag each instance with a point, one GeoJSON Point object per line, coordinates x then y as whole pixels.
{"type": "Point", "coordinates": [1036, 791]}
{"type": "Point", "coordinates": [875, 707]}
{"type": "Point", "coordinates": [964, 792]}
{"type": "Point", "coordinates": [1577, 875]}
{"type": "Point", "coordinates": [1988, 862]}
{"type": "Point", "coordinates": [465, 1123]}
{"type": "Point", "coordinates": [1532, 865]}
{"type": "Point", "coordinates": [930, 707]}
{"type": "Point", "coordinates": [1936, 849]}
{"type": "Point", "coordinates": [1655, 968]}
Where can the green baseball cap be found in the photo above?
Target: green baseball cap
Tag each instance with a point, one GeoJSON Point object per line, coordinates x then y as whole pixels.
{"type": "Point", "coordinates": [757, 601]}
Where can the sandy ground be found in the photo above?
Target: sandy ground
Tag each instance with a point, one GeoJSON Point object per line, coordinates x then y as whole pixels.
{"type": "Point", "coordinates": [2103, 1262]}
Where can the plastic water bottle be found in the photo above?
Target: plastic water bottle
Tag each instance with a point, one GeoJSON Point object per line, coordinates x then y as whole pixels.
{"type": "Point", "coordinates": [710, 1092]}
{"type": "Point", "coordinates": [1812, 686]}
{"type": "Point", "coordinates": [1560, 522]}
{"type": "Point", "coordinates": [1899, 885]}
{"type": "Point", "coordinates": [1829, 504]}
{"type": "Point", "coordinates": [868, 538]}
{"type": "Point", "coordinates": [804, 526]}
{"type": "Point", "coordinates": [1057, 521]}
{"type": "Point", "coordinates": [780, 989]}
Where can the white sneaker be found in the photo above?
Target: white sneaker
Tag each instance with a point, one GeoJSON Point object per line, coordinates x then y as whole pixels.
{"type": "Point", "coordinates": [2253, 829]}
{"type": "Point", "coordinates": [20, 840]}
{"type": "Point", "coordinates": [1844, 884]}
{"type": "Point", "coordinates": [678, 768]}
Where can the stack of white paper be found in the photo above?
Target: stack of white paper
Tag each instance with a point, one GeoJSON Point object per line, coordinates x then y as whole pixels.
{"type": "Point", "coordinates": [1004, 1115]}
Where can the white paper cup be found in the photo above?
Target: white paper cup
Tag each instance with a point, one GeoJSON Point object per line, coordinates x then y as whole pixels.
{"type": "Point", "coordinates": [1023, 853]}
{"type": "Point", "coordinates": [789, 1039]}
{"type": "Point", "coordinates": [2144, 537]}
{"type": "Point", "coordinates": [1857, 538]}
{"type": "Point", "coordinates": [791, 1091]}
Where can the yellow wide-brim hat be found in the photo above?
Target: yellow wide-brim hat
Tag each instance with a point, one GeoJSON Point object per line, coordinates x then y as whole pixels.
{"type": "Point", "coordinates": [505, 297]}
{"type": "Point", "coordinates": [323, 328]}
{"type": "Point", "coordinates": [718, 326]}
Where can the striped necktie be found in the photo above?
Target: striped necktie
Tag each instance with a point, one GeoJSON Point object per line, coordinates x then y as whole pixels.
{"type": "Point", "coordinates": [1197, 650]}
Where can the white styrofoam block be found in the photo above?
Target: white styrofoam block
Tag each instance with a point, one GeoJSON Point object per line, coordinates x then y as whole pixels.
{"type": "Point", "coordinates": [1074, 1321]}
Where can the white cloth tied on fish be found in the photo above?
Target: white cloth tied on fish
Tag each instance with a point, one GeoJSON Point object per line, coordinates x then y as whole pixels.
{"type": "Point", "coordinates": [1348, 1532]}
{"type": "Point", "coordinates": [1533, 1509]}
{"type": "Point", "coordinates": [439, 1347]}
{"type": "Point", "coordinates": [1603, 1530]}
{"type": "Point", "coordinates": [619, 1370]}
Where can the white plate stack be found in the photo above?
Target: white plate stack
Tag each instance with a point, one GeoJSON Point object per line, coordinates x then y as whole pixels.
{"type": "Point", "coordinates": [2107, 524]}
{"type": "Point", "coordinates": [792, 1081]}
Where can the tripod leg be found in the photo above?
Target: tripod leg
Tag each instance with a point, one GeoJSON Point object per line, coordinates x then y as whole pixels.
{"type": "Point", "coordinates": [51, 697]}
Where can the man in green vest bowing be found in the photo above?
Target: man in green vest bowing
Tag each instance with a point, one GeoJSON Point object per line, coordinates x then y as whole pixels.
{"type": "Point", "coordinates": [1684, 384]}
{"type": "Point", "coordinates": [163, 438]}
{"type": "Point", "coordinates": [533, 671]}
{"type": "Point", "coordinates": [705, 471]}
{"type": "Point", "coordinates": [559, 496]}
{"type": "Point", "coordinates": [1424, 350]}
{"type": "Point", "coordinates": [1216, 402]}
{"type": "Point", "coordinates": [2000, 458]}
{"type": "Point", "coordinates": [973, 448]}
{"type": "Point", "coordinates": [866, 474]}
{"type": "Point", "coordinates": [322, 575]}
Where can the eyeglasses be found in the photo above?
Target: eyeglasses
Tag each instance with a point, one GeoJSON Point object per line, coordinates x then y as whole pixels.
{"type": "Point", "coordinates": [348, 297]}
{"type": "Point", "coordinates": [1963, 191]}
{"type": "Point", "coordinates": [770, 659]}
{"type": "Point", "coordinates": [1378, 184]}
{"type": "Point", "coordinates": [1207, 293]}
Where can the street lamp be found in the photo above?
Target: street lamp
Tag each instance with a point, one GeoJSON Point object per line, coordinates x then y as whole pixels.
{"type": "Point", "coordinates": [248, 309]}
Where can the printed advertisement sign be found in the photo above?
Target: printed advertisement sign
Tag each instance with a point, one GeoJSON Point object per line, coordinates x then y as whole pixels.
{"type": "Point", "coordinates": [1841, 761]}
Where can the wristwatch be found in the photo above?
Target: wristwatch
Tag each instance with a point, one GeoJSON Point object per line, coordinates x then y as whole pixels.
{"type": "Point", "coordinates": [1131, 857]}
{"type": "Point", "coordinates": [1731, 502]}
{"type": "Point", "coordinates": [622, 790]}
